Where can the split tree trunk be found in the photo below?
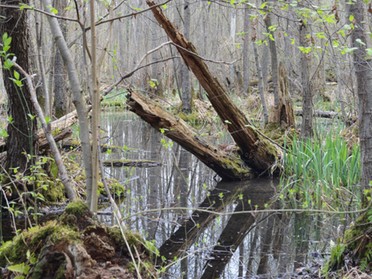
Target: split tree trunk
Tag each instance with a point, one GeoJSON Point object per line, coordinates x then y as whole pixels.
{"type": "Point", "coordinates": [255, 150]}
{"type": "Point", "coordinates": [282, 114]}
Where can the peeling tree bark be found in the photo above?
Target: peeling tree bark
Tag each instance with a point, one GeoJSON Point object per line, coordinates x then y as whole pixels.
{"type": "Point", "coordinates": [257, 152]}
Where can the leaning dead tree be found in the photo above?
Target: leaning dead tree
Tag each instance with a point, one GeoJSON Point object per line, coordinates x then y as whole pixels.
{"type": "Point", "coordinates": [256, 151]}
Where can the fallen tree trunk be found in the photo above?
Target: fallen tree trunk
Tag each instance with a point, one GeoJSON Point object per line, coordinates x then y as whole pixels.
{"type": "Point", "coordinates": [227, 165]}
{"type": "Point", "coordinates": [255, 150]}
{"type": "Point", "coordinates": [60, 130]}
{"type": "Point", "coordinates": [44, 144]}
{"type": "Point", "coordinates": [330, 114]}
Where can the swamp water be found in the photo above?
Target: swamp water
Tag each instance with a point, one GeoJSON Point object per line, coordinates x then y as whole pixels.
{"type": "Point", "coordinates": [202, 227]}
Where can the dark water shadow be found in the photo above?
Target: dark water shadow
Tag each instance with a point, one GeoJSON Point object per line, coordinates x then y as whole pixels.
{"type": "Point", "coordinates": [246, 197]}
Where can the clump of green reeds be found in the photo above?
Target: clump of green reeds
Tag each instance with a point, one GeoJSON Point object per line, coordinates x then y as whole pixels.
{"type": "Point", "coordinates": [321, 173]}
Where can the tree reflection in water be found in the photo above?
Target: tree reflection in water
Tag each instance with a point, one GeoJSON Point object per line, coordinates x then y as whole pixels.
{"type": "Point", "coordinates": [199, 224]}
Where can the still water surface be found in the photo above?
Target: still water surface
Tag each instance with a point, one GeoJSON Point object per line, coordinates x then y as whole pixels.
{"type": "Point", "coordinates": [205, 227]}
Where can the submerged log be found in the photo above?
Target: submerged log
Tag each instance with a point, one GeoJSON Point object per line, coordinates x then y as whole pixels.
{"type": "Point", "coordinates": [330, 114]}
{"type": "Point", "coordinates": [226, 165]}
{"type": "Point", "coordinates": [131, 163]}
{"type": "Point", "coordinates": [255, 150]}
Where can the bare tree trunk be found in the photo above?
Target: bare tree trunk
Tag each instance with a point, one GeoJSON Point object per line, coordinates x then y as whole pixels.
{"type": "Point", "coordinates": [92, 197]}
{"type": "Point", "coordinates": [78, 98]}
{"type": "Point", "coordinates": [185, 74]}
{"type": "Point", "coordinates": [363, 71]}
{"type": "Point", "coordinates": [307, 95]}
{"type": "Point", "coordinates": [41, 64]}
{"type": "Point", "coordinates": [21, 140]}
{"type": "Point", "coordinates": [274, 58]}
{"type": "Point", "coordinates": [61, 96]}
{"type": "Point", "coordinates": [261, 89]}
{"type": "Point", "coordinates": [246, 43]}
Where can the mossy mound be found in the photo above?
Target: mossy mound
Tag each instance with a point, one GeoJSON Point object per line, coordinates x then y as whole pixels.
{"type": "Point", "coordinates": [354, 250]}
{"type": "Point", "coordinates": [75, 246]}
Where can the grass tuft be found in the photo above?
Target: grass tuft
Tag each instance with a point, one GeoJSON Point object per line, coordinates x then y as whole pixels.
{"type": "Point", "coordinates": [321, 174]}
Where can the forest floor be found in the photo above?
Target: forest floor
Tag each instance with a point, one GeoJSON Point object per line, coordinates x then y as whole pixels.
{"type": "Point", "coordinates": [76, 246]}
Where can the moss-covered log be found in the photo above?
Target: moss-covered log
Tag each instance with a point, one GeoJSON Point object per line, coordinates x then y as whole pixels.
{"type": "Point", "coordinates": [227, 165]}
{"type": "Point", "coordinates": [259, 154]}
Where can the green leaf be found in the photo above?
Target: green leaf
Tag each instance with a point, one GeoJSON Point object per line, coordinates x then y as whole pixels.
{"type": "Point", "coordinates": [7, 41]}
{"type": "Point", "coordinates": [17, 82]}
{"type": "Point", "coordinates": [6, 48]}
{"type": "Point", "coordinates": [23, 6]}
{"type": "Point", "coordinates": [335, 43]}
{"type": "Point", "coordinates": [8, 64]}
{"type": "Point", "coordinates": [32, 117]}
{"type": "Point", "coordinates": [164, 7]}
{"type": "Point", "coordinates": [3, 133]}
{"type": "Point", "coordinates": [351, 18]}
{"type": "Point", "coordinates": [320, 35]}
{"type": "Point", "coordinates": [347, 50]}
{"type": "Point", "coordinates": [153, 83]}
{"type": "Point", "coordinates": [137, 9]}
{"type": "Point", "coordinates": [305, 50]}
{"type": "Point", "coordinates": [16, 75]}
{"type": "Point", "coordinates": [53, 10]}
{"type": "Point", "coordinates": [273, 28]}
{"type": "Point", "coordinates": [369, 51]}
{"type": "Point", "coordinates": [47, 119]}
{"type": "Point", "coordinates": [5, 35]}
{"type": "Point", "coordinates": [19, 268]}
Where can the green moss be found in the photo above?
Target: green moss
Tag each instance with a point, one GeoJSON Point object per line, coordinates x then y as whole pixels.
{"type": "Point", "coordinates": [133, 239]}
{"type": "Point", "coordinates": [116, 188]}
{"type": "Point", "coordinates": [77, 208]}
{"type": "Point", "coordinates": [53, 191]}
{"type": "Point", "coordinates": [33, 240]}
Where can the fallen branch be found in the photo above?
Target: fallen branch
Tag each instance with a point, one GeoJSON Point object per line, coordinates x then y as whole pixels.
{"type": "Point", "coordinates": [329, 114]}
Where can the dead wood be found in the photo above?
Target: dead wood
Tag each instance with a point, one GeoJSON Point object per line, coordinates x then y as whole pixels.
{"type": "Point", "coordinates": [282, 113]}
{"type": "Point", "coordinates": [60, 130]}
{"type": "Point", "coordinates": [65, 133]}
{"type": "Point", "coordinates": [226, 165]}
{"type": "Point", "coordinates": [131, 163]}
{"type": "Point", "coordinates": [256, 151]}
{"type": "Point", "coordinates": [330, 114]}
